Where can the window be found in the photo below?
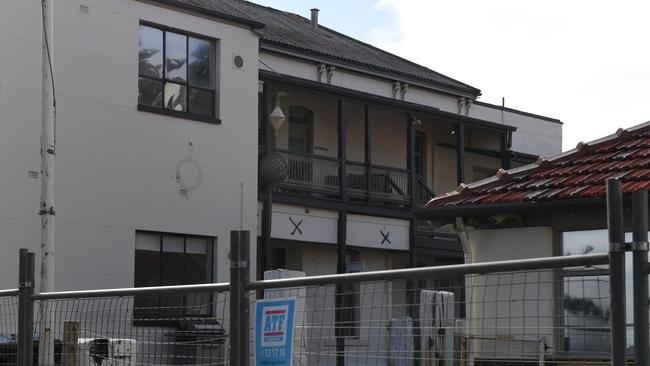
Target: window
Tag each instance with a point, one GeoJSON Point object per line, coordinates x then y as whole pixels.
{"type": "Point", "coordinates": [350, 299]}
{"type": "Point", "coordinates": [586, 294]}
{"type": "Point", "coordinates": [172, 259]}
{"type": "Point", "coordinates": [176, 73]}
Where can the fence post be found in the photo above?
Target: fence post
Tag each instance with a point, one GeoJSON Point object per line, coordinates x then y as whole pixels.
{"type": "Point", "coordinates": [239, 305]}
{"type": "Point", "coordinates": [640, 262]}
{"type": "Point", "coordinates": [70, 342]}
{"type": "Point", "coordinates": [617, 271]}
{"type": "Point", "coordinates": [25, 342]}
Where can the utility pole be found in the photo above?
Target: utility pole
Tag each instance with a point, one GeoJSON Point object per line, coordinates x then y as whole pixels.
{"type": "Point", "coordinates": [46, 209]}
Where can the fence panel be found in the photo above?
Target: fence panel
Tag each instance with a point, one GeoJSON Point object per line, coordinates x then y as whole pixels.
{"type": "Point", "coordinates": [8, 328]}
{"type": "Point", "coordinates": [169, 328]}
{"type": "Point", "coordinates": [526, 317]}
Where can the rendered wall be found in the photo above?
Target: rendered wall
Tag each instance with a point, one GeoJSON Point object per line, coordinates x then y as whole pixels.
{"type": "Point", "coordinates": [534, 136]}
{"type": "Point", "coordinates": [115, 169]}
{"type": "Point", "coordinates": [515, 307]}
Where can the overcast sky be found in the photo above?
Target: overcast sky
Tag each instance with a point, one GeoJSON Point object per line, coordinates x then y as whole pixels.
{"type": "Point", "coordinates": [586, 63]}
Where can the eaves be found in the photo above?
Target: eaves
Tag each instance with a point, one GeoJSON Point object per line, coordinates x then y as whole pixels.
{"type": "Point", "coordinates": [367, 69]}
{"type": "Point", "coordinates": [518, 207]}
{"type": "Point", "coordinates": [383, 101]}
{"type": "Point", "coordinates": [205, 12]}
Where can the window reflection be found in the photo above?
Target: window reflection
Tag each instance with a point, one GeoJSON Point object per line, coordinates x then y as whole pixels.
{"type": "Point", "coordinates": [200, 62]}
{"type": "Point", "coordinates": [175, 56]}
{"type": "Point", "coordinates": [591, 242]}
{"type": "Point", "coordinates": [150, 53]}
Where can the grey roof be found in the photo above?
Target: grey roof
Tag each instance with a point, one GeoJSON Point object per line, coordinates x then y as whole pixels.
{"type": "Point", "coordinates": [291, 32]}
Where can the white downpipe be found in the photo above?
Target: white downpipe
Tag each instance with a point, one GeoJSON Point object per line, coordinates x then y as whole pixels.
{"type": "Point", "coordinates": [461, 231]}
{"type": "Point", "coordinates": [46, 209]}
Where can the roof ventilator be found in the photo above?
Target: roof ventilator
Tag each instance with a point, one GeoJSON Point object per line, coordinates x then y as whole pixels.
{"type": "Point", "coordinates": [314, 18]}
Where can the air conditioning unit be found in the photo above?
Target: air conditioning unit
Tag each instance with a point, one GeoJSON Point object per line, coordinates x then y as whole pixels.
{"type": "Point", "coordinates": [107, 351]}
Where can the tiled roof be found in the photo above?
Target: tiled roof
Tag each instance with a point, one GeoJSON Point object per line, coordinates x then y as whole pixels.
{"type": "Point", "coordinates": [578, 173]}
{"type": "Point", "coordinates": [292, 32]}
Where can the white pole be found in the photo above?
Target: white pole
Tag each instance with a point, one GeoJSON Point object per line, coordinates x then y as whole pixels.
{"type": "Point", "coordinates": [46, 209]}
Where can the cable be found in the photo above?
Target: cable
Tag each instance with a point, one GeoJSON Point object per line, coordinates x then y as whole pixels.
{"type": "Point", "coordinates": [47, 49]}
{"type": "Point", "coordinates": [49, 61]}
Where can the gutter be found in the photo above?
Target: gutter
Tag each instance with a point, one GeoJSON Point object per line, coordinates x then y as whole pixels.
{"type": "Point", "coordinates": [518, 207]}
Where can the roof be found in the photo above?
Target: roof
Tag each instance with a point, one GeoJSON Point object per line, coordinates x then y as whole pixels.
{"type": "Point", "coordinates": [580, 173]}
{"type": "Point", "coordinates": [291, 32]}
{"type": "Point", "coordinates": [217, 8]}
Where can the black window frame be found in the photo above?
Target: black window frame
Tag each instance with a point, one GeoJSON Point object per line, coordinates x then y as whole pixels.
{"type": "Point", "coordinates": [163, 319]}
{"type": "Point", "coordinates": [187, 114]}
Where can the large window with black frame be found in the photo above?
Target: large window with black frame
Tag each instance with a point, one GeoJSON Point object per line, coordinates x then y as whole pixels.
{"type": "Point", "coordinates": [176, 73]}
{"type": "Point", "coordinates": [163, 259]}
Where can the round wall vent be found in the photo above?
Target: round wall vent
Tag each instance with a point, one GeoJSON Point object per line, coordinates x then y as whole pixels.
{"type": "Point", "coordinates": [238, 61]}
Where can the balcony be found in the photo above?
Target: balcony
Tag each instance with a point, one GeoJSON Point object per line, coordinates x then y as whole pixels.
{"type": "Point", "coordinates": [320, 175]}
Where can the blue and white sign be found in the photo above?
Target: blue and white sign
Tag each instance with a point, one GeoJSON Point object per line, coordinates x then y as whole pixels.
{"type": "Point", "coordinates": [274, 332]}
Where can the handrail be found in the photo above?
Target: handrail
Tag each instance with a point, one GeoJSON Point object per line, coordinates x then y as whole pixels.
{"type": "Point", "coordinates": [307, 155]}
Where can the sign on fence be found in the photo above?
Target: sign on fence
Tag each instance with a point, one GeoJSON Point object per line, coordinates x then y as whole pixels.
{"type": "Point", "coordinates": [274, 332]}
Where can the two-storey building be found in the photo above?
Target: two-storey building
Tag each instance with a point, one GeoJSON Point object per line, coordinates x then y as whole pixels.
{"type": "Point", "coordinates": [163, 122]}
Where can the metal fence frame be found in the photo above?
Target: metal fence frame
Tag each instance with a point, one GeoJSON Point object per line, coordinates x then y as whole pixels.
{"type": "Point", "coordinates": [241, 286]}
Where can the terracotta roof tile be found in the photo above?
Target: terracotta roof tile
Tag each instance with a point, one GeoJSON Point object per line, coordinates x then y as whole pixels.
{"type": "Point", "coordinates": [578, 173]}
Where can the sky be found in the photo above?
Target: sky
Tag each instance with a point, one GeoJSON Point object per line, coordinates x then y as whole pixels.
{"type": "Point", "coordinates": [585, 62]}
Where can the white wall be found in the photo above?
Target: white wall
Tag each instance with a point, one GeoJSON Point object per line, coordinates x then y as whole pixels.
{"type": "Point", "coordinates": [534, 136]}
{"type": "Point", "coordinates": [515, 308]}
{"type": "Point", "coordinates": [115, 168]}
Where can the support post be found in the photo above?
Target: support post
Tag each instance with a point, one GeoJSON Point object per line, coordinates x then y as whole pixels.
{"type": "Point", "coordinates": [25, 340]}
{"type": "Point", "coordinates": [268, 91]}
{"type": "Point", "coordinates": [411, 121]}
{"type": "Point", "coordinates": [640, 262]}
{"type": "Point", "coordinates": [340, 268]}
{"type": "Point", "coordinates": [460, 153]}
{"type": "Point", "coordinates": [239, 305]}
{"type": "Point", "coordinates": [367, 142]}
{"type": "Point", "coordinates": [70, 343]}
{"type": "Point", "coordinates": [342, 118]}
{"type": "Point", "coordinates": [617, 271]}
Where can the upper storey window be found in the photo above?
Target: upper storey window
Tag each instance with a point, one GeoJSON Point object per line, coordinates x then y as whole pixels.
{"type": "Point", "coordinates": [176, 73]}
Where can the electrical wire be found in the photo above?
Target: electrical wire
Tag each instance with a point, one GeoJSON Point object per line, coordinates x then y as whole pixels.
{"type": "Point", "coordinates": [49, 62]}
{"type": "Point", "coordinates": [47, 49]}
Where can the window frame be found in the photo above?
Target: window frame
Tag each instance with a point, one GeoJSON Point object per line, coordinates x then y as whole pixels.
{"type": "Point", "coordinates": [213, 117]}
{"type": "Point", "coordinates": [166, 320]}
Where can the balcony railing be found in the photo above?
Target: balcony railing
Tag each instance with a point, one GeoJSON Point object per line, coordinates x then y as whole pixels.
{"type": "Point", "coordinates": [321, 174]}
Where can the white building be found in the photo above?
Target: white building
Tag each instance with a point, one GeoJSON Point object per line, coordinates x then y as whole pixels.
{"type": "Point", "coordinates": [162, 116]}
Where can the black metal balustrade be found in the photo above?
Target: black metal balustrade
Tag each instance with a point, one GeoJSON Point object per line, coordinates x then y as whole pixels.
{"type": "Point", "coordinates": [321, 174]}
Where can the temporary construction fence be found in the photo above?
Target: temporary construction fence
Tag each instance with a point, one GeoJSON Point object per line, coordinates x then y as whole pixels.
{"type": "Point", "coordinates": [498, 313]}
